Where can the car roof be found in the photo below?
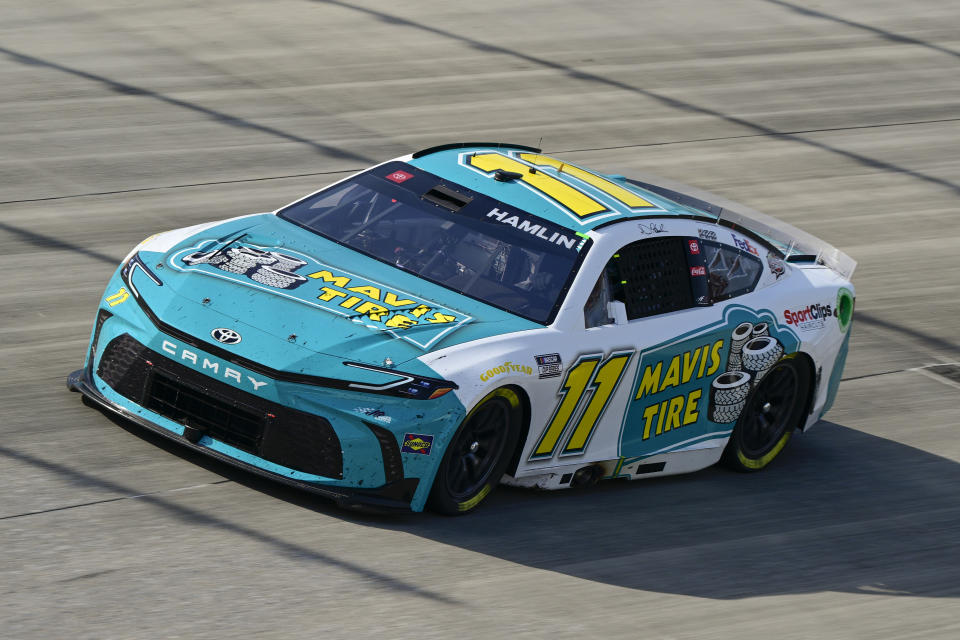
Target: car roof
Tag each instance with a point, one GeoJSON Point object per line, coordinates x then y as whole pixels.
{"type": "Point", "coordinates": [570, 195]}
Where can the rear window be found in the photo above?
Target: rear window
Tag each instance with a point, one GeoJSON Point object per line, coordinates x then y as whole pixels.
{"type": "Point", "coordinates": [449, 235]}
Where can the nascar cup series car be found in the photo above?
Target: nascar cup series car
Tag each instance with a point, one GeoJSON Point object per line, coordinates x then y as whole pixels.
{"type": "Point", "coordinates": [470, 314]}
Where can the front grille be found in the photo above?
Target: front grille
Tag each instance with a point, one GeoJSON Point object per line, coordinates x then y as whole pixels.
{"type": "Point", "coordinates": [291, 438]}
{"type": "Point", "coordinates": [233, 424]}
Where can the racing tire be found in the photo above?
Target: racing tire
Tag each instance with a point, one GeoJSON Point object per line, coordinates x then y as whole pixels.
{"type": "Point", "coordinates": [773, 410]}
{"type": "Point", "coordinates": [478, 454]}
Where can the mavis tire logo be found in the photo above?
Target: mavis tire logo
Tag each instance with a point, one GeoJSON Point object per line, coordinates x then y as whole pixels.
{"type": "Point", "coordinates": [810, 318]}
{"type": "Point", "coordinates": [374, 305]}
{"type": "Point", "coordinates": [417, 443]}
{"type": "Point", "coordinates": [707, 234]}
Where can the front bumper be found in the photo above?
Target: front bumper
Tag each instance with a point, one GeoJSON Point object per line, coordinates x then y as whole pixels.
{"type": "Point", "coordinates": [394, 495]}
{"type": "Point", "coordinates": [251, 407]}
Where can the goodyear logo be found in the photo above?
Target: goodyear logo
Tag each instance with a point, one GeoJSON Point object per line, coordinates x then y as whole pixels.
{"type": "Point", "coordinates": [300, 277]}
{"type": "Point", "coordinates": [417, 443]}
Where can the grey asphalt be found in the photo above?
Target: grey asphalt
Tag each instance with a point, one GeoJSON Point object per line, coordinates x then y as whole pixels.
{"type": "Point", "coordinates": [121, 119]}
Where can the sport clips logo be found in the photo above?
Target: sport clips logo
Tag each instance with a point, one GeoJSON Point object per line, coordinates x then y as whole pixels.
{"type": "Point", "coordinates": [810, 317]}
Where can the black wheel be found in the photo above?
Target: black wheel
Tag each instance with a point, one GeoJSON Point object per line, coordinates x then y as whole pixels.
{"type": "Point", "coordinates": [773, 410]}
{"type": "Point", "coordinates": [478, 454]}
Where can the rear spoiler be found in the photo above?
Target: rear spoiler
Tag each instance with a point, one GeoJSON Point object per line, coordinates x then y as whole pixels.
{"type": "Point", "coordinates": [794, 244]}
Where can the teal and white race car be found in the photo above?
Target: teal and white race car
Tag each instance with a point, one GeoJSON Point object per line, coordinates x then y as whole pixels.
{"type": "Point", "coordinates": [473, 314]}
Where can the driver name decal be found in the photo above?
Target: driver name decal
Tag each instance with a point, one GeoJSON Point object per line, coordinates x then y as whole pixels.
{"type": "Point", "coordinates": [539, 230]}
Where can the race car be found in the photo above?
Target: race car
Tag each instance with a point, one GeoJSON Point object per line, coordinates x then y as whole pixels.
{"type": "Point", "coordinates": [472, 314]}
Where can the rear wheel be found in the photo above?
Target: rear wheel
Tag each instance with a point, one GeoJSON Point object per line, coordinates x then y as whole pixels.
{"type": "Point", "coordinates": [772, 412]}
{"type": "Point", "coordinates": [478, 455]}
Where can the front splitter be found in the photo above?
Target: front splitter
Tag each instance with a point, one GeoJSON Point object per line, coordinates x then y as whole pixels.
{"type": "Point", "coordinates": [381, 498]}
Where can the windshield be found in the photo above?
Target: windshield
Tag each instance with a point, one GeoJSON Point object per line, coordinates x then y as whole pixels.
{"type": "Point", "coordinates": [449, 235]}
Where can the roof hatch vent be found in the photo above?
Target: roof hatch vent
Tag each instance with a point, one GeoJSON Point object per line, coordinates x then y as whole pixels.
{"type": "Point", "coordinates": [447, 198]}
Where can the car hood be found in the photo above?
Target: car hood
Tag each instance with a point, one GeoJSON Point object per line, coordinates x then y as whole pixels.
{"type": "Point", "coordinates": [268, 277]}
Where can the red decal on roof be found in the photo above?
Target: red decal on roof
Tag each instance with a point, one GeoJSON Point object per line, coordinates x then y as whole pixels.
{"type": "Point", "coordinates": [399, 176]}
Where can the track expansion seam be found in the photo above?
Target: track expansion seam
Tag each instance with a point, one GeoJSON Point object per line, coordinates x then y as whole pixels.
{"type": "Point", "coordinates": [106, 500]}
{"type": "Point", "coordinates": [354, 170]}
{"type": "Point", "coordinates": [921, 370]}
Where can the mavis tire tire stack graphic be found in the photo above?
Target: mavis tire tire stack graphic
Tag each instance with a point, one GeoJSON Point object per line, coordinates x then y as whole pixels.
{"type": "Point", "coordinates": [752, 352]}
{"type": "Point", "coordinates": [741, 335]}
{"type": "Point", "coordinates": [728, 394]}
{"type": "Point", "coordinates": [759, 355]}
{"type": "Point", "coordinates": [266, 267]}
{"type": "Point", "coordinates": [280, 274]}
{"type": "Point", "coordinates": [243, 260]}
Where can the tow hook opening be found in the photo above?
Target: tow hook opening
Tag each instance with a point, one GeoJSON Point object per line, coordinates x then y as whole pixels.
{"type": "Point", "coordinates": [192, 434]}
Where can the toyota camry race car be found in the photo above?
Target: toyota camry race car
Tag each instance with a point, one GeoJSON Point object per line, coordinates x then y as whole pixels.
{"type": "Point", "coordinates": [476, 313]}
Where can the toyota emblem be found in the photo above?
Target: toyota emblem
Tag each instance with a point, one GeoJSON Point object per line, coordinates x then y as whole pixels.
{"type": "Point", "coordinates": [226, 336]}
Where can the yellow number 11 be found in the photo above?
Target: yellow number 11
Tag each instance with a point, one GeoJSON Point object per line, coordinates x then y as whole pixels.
{"type": "Point", "coordinates": [589, 373]}
{"type": "Point", "coordinates": [564, 193]}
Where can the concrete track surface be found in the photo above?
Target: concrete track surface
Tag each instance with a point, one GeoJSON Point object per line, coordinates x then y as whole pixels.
{"type": "Point", "coordinates": [119, 119]}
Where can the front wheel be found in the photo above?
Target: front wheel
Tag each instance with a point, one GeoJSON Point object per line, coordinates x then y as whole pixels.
{"type": "Point", "coordinates": [772, 412]}
{"type": "Point", "coordinates": [478, 455]}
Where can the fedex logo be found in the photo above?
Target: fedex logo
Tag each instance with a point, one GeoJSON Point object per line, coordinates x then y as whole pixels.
{"type": "Point", "coordinates": [744, 245]}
